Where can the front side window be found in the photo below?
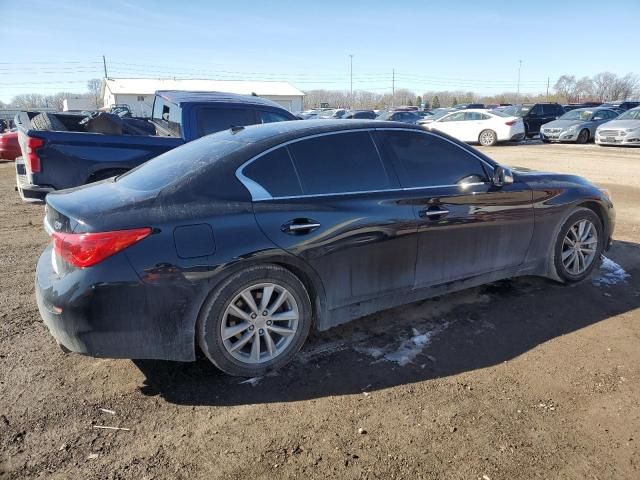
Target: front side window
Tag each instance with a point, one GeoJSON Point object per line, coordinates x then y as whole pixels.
{"type": "Point", "coordinates": [424, 160]}
{"type": "Point", "coordinates": [275, 173]}
{"type": "Point", "coordinates": [211, 120]}
{"type": "Point", "coordinates": [339, 163]}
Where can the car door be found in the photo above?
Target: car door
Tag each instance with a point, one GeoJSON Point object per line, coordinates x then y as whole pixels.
{"type": "Point", "coordinates": [475, 122]}
{"type": "Point", "coordinates": [341, 211]}
{"type": "Point", "coordinates": [534, 120]}
{"type": "Point", "coordinates": [466, 226]}
{"type": "Point", "coordinates": [452, 124]}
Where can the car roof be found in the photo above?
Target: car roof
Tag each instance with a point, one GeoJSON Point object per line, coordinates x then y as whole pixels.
{"type": "Point", "coordinates": [180, 97]}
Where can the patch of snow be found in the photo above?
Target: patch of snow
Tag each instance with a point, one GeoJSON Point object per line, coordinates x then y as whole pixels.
{"type": "Point", "coordinates": [252, 381]}
{"type": "Point", "coordinates": [610, 273]}
{"type": "Point", "coordinates": [408, 349]}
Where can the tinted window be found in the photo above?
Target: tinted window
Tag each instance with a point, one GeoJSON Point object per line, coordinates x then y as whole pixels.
{"type": "Point", "coordinates": [535, 111]}
{"type": "Point", "coordinates": [274, 171]}
{"type": "Point", "coordinates": [424, 160]}
{"type": "Point", "coordinates": [211, 120]}
{"type": "Point", "coordinates": [343, 162]}
{"type": "Point", "coordinates": [552, 110]}
{"type": "Point", "coordinates": [270, 117]}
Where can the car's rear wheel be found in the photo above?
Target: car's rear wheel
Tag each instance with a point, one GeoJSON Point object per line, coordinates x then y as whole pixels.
{"type": "Point", "coordinates": [487, 138]}
{"type": "Point", "coordinates": [583, 136]}
{"type": "Point", "coordinates": [256, 321]}
{"type": "Point", "coordinates": [578, 246]}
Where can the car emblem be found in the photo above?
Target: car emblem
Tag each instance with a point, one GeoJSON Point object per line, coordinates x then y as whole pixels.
{"type": "Point", "coordinates": [57, 225]}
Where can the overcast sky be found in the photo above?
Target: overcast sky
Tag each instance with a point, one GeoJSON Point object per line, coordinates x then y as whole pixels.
{"type": "Point", "coordinates": [50, 46]}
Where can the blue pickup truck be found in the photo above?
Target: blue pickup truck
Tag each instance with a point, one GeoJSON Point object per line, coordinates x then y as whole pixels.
{"type": "Point", "coordinates": [66, 150]}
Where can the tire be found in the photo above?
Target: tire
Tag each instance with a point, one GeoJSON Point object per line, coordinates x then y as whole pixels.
{"type": "Point", "coordinates": [583, 136]}
{"type": "Point", "coordinates": [487, 138]}
{"type": "Point", "coordinates": [564, 269]}
{"type": "Point", "coordinates": [544, 140]}
{"type": "Point", "coordinates": [218, 313]}
{"type": "Point", "coordinates": [47, 122]}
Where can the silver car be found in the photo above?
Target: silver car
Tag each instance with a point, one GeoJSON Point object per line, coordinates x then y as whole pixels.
{"type": "Point", "coordinates": [577, 125]}
{"type": "Point", "coordinates": [624, 130]}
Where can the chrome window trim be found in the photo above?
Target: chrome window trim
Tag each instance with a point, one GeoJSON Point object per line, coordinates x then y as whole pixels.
{"type": "Point", "coordinates": [259, 193]}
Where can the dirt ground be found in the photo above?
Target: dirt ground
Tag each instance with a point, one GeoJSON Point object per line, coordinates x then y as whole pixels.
{"type": "Point", "coordinates": [522, 379]}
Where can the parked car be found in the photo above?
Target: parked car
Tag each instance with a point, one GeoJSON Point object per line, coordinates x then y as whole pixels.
{"type": "Point", "coordinates": [481, 126]}
{"type": "Point", "coordinates": [624, 130]}
{"type": "Point", "coordinates": [62, 151]}
{"type": "Point", "coordinates": [466, 106]}
{"type": "Point", "coordinates": [243, 241]}
{"type": "Point", "coordinates": [360, 115]}
{"type": "Point", "coordinates": [437, 113]}
{"type": "Point", "coordinates": [572, 106]}
{"type": "Point", "coordinates": [577, 125]}
{"type": "Point", "coordinates": [623, 106]}
{"type": "Point", "coordinates": [332, 113]}
{"type": "Point", "coordinates": [9, 146]}
{"type": "Point", "coordinates": [399, 116]}
{"type": "Point", "coordinates": [534, 115]}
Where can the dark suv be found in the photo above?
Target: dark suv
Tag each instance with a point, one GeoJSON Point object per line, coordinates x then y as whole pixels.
{"type": "Point", "coordinates": [623, 106]}
{"type": "Point", "coordinates": [534, 115]}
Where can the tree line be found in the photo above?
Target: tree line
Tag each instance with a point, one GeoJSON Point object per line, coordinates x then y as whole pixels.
{"type": "Point", "coordinates": [604, 86]}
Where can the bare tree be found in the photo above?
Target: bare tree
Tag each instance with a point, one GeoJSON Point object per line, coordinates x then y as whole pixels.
{"type": "Point", "coordinates": [566, 87]}
{"type": "Point", "coordinates": [95, 87]}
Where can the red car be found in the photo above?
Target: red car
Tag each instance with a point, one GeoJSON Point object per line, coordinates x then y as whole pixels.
{"type": "Point", "coordinates": [9, 148]}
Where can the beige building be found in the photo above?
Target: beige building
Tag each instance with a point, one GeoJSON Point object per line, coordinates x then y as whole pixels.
{"type": "Point", "coordinates": [138, 93]}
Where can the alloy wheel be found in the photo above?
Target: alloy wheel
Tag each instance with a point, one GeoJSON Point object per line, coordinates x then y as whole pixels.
{"type": "Point", "coordinates": [260, 323]}
{"type": "Point", "coordinates": [579, 247]}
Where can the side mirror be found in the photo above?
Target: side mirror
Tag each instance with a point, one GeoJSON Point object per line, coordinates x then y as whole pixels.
{"type": "Point", "coordinates": [502, 176]}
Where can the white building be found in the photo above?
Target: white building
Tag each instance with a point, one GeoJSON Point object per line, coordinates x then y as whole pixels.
{"type": "Point", "coordinates": [138, 93]}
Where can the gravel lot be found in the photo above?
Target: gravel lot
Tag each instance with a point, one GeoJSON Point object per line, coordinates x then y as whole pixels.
{"type": "Point", "coordinates": [518, 379]}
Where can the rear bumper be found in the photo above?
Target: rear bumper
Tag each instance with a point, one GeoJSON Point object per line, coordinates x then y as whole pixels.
{"type": "Point", "coordinates": [28, 191]}
{"type": "Point", "coordinates": [106, 311]}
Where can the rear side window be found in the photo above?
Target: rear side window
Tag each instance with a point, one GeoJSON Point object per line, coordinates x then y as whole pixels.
{"type": "Point", "coordinates": [424, 160]}
{"type": "Point", "coordinates": [211, 120]}
{"type": "Point", "coordinates": [552, 109]}
{"type": "Point", "coordinates": [338, 163]}
{"type": "Point", "coordinates": [168, 115]}
{"type": "Point", "coordinates": [275, 173]}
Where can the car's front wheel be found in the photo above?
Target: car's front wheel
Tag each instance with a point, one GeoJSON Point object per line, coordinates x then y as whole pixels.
{"type": "Point", "coordinates": [255, 321]}
{"type": "Point", "coordinates": [578, 246]}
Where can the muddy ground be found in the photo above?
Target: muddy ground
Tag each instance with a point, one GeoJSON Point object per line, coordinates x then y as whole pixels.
{"type": "Point", "coordinates": [522, 379]}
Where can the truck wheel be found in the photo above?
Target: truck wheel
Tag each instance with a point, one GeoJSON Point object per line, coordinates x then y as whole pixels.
{"type": "Point", "coordinates": [47, 121]}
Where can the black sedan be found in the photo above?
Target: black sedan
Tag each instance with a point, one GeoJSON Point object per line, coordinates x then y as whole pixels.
{"type": "Point", "coordinates": [239, 243]}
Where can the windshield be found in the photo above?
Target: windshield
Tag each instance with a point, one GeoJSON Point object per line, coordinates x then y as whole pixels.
{"type": "Point", "coordinates": [584, 115]}
{"type": "Point", "coordinates": [630, 115]}
{"type": "Point", "coordinates": [175, 164]}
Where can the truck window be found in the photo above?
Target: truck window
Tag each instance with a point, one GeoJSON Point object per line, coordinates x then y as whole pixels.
{"type": "Point", "coordinates": [211, 120]}
{"type": "Point", "coordinates": [168, 115]}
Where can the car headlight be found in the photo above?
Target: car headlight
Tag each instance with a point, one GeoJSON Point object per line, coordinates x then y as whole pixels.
{"type": "Point", "coordinates": [629, 130]}
{"type": "Point", "coordinates": [571, 129]}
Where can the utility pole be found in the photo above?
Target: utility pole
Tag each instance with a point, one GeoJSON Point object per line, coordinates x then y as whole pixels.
{"type": "Point", "coordinates": [519, 68]}
{"type": "Point", "coordinates": [104, 63]}
{"type": "Point", "coordinates": [393, 87]}
{"type": "Point", "coordinates": [547, 89]}
{"type": "Point", "coordinates": [351, 59]}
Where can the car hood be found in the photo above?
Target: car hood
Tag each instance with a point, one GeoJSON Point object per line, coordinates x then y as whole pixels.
{"type": "Point", "coordinates": [621, 124]}
{"type": "Point", "coordinates": [564, 123]}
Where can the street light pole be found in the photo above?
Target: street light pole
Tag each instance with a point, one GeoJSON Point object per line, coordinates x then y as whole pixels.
{"type": "Point", "coordinates": [351, 96]}
{"type": "Point", "coordinates": [519, 68]}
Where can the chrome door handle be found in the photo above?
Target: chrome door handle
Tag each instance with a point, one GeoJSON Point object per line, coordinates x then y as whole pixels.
{"type": "Point", "coordinates": [434, 212]}
{"type": "Point", "coordinates": [299, 227]}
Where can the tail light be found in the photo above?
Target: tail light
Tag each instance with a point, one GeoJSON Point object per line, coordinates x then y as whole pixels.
{"type": "Point", "coordinates": [33, 161]}
{"type": "Point", "coordinates": [86, 249]}
{"type": "Point", "coordinates": [511, 122]}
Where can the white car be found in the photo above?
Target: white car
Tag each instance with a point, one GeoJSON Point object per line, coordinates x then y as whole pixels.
{"type": "Point", "coordinates": [624, 130]}
{"type": "Point", "coordinates": [482, 126]}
